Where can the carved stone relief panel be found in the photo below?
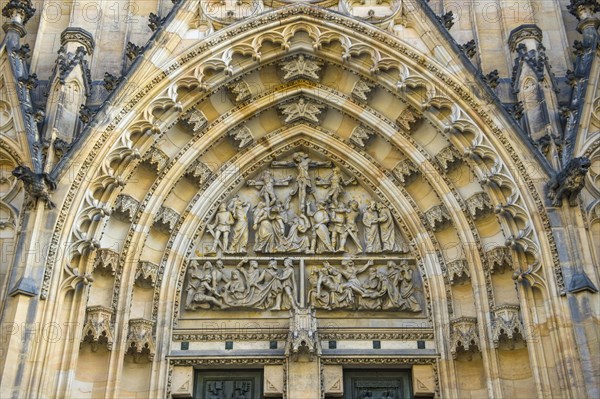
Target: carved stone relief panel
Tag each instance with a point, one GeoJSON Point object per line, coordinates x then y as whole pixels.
{"type": "Point", "coordinates": [340, 283]}
{"type": "Point", "coordinates": [302, 204]}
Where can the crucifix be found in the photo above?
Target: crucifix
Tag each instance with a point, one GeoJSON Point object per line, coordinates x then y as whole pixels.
{"type": "Point", "coordinates": [266, 184]}
{"type": "Point", "coordinates": [302, 163]}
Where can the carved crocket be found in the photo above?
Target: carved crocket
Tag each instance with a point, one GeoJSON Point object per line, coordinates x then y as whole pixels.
{"type": "Point", "coordinates": [567, 183]}
{"type": "Point", "coordinates": [37, 186]}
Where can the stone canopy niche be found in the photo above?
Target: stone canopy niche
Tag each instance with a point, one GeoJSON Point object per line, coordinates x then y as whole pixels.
{"type": "Point", "coordinates": [302, 232]}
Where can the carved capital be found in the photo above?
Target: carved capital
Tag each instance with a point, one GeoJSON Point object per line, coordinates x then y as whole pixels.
{"type": "Point", "coordinates": [404, 170]}
{"type": "Point", "coordinates": [464, 336]}
{"type": "Point", "coordinates": [166, 218]}
{"type": "Point", "coordinates": [106, 261]}
{"type": "Point", "coordinates": [97, 329]}
{"type": "Point", "coordinates": [146, 273]}
{"type": "Point", "coordinates": [437, 216]}
{"type": "Point", "coordinates": [140, 342]}
{"type": "Point", "coordinates": [499, 259]}
{"type": "Point", "coordinates": [458, 271]}
{"type": "Point", "coordinates": [507, 325]}
{"type": "Point", "coordinates": [478, 204]}
{"type": "Point", "coordinates": [125, 207]}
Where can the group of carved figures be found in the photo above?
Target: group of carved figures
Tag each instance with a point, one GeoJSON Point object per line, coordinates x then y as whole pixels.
{"type": "Point", "coordinates": [324, 225]}
{"type": "Point", "coordinates": [212, 286]}
{"type": "Point", "coordinates": [340, 288]}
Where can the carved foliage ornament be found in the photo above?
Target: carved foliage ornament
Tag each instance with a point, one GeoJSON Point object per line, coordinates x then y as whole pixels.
{"type": "Point", "coordinates": [166, 218]}
{"type": "Point", "coordinates": [437, 216]}
{"type": "Point", "coordinates": [404, 170]}
{"type": "Point", "coordinates": [146, 273]}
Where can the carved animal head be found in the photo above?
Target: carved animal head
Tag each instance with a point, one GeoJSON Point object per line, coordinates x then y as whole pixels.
{"type": "Point", "coordinates": [21, 171]}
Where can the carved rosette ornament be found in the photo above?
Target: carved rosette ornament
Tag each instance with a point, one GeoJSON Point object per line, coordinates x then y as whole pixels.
{"type": "Point", "coordinates": [106, 261]}
{"type": "Point", "coordinates": [97, 329]}
{"type": "Point", "coordinates": [464, 337]}
{"type": "Point", "coordinates": [140, 342]}
{"type": "Point", "coordinates": [18, 11]}
{"type": "Point", "coordinates": [507, 325]}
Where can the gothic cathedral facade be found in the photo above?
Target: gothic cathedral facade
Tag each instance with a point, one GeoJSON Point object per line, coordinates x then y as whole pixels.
{"type": "Point", "coordinates": [300, 199]}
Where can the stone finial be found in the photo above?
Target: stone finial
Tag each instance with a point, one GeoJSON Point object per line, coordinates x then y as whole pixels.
{"type": "Point", "coordinates": [582, 9]}
{"type": "Point", "coordinates": [19, 11]}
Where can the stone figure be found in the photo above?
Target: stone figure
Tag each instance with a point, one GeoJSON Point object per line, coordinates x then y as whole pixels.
{"type": "Point", "coordinates": [321, 241]}
{"type": "Point", "coordinates": [215, 272]}
{"type": "Point", "coordinates": [327, 291]}
{"type": "Point", "coordinates": [288, 286]}
{"type": "Point", "coordinates": [386, 226]}
{"type": "Point", "coordinates": [220, 228]}
{"type": "Point", "coordinates": [204, 295]}
{"type": "Point", "coordinates": [376, 294]}
{"type": "Point", "coordinates": [265, 234]}
{"type": "Point", "coordinates": [351, 229]}
{"type": "Point", "coordinates": [194, 275]}
{"type": "Point", "coordinates": [267, 185]}
{"type": "Point", "coordinates": [278, 215]}
{"type": "Point", "coordinates": [350, 273]}
{"type": "Point", "coordinates": [239, 234]}
{"type": "Point", "coordinates": [36, 185]}
{"type": "Point", "coordinates": [338, 226]}
{"type": "Point", "coordinates": [336, 183]}
{"type": "Point", "coordinates": [401, 278]}
{"type": "Point", "coordinates": [568, 182]}
{"type": "Point", "coordinates": [297, 239]}
{"type": "Point", "coordinates": [371, 223]}
{"type": "Point", "coordinates": [235, 289]}
{"type": "Point", "coordinates": [303, 181]}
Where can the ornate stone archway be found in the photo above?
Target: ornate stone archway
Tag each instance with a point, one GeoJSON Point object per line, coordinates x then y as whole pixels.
{"type": "Point", "coordinates": [139, 211]}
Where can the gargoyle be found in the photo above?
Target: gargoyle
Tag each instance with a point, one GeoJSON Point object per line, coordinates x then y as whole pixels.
{"type": "Point", "coordinates": [37, 186]}
{"type": "Point", "coordinates": [567, 183]}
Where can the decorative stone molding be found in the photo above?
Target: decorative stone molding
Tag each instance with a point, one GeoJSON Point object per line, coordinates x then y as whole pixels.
{"type": "Point", "coordinates": [464, 336]}
{"type": "Point", "coordinates": [301, 67]}
{"type": "Point", "coordinates": [106, 261]}
{"type": "Point", "coordinates": [458, 271]}
{"type": "Point", "coordinates": [140, 342]}
{"type": "Point", "coordinates": [195, 119]}
{"type": "Point", "coordinates": [166, 218]}
{"type": "Point", "coordinates": [408, 117]}
{"type": "Point", "coordinates": [567, 183]}
{"type": "Point", "coordinates": [125, 207]}
{"type": "Point", "coordinates": [448, 157]}
{"type": "Point", "coordinates": [478, 204]}
{"type": "Point", "coordinates": [404, 170]}
{"type": "Point", "coordinates": [97, 329]}
{"type": "Point", "coordinates": [156, 158]}
{"type": "Point", "coordinates": [303, 342]}
{"type": "Point", "coordinates": [146, 273]}
{"type": "Point", "coordinates": [301, 108]}
{"type": "Point", "coordinates": [499, 260]}
{"type": "Point", "coordinates": [361, 135]}
{"type": "Point", "coordinates": [240, 91]}
{"type": "Point", "coordinates": [361, 90]}
{"type": "Point", "coordinates": [242, 136]}
{"type": "Point", "coordinates": [507, 325]}
{"type": "Point", "coordinates": [273, 381]}
{"type": "Point", "coordinates": [199, 172]}
{"type": "Point", "coordinates": [437, 216]}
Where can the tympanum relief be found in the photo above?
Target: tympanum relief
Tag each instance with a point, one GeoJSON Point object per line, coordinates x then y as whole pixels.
{"type": "Point", "coordinates": [259, 248]}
